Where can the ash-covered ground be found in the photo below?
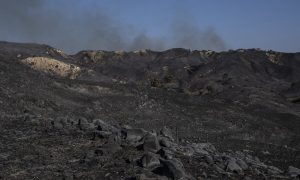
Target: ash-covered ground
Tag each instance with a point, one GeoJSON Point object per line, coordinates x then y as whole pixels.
{"type": "Point", "coordinates": [176, 114]}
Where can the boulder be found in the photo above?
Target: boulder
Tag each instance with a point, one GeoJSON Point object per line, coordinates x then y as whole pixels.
{"type": "Point", "coordinates": [151, 143]}
{"type": "Point", "coordinates": [134, 135]}
{"type": "Point", "coordinates": [293, 172]}
{"type": "Point", "coordinates": [242, 164]}
{"type": "Point", "coordinates": [150, 160]}
{"type": "Point", "coordinates": [233, 166]}
{"type": "Point", "coordinates": [103, 126]}
{"type": "Point", "coordinates": [174, 168]}
{"type": "Point", "coordinates": [166, 132]}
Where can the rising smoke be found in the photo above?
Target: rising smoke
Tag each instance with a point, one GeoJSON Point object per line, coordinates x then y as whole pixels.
{"type": "Point", "coordinates": [74, 27]}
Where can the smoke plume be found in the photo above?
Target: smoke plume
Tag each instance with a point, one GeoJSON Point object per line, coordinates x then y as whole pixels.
{"type": "Point", "coordinates": [76, 26]}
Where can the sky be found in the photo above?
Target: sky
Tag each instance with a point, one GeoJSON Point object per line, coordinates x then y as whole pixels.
{"type": "Point", "coordinates": [74, 25]}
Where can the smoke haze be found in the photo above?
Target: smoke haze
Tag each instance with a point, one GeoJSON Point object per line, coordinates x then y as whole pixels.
{"type": "Point", "coordinates": [78, 26]}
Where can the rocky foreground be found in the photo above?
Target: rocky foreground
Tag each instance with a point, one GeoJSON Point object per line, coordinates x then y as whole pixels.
{"type": "Point", "coordinates": [148, 115]}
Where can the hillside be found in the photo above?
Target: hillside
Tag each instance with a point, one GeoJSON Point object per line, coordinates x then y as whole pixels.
{"type": "Point", "coordinates": [176, 114]}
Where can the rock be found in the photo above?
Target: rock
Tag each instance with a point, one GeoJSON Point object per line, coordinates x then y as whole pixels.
{"type": "Point", "coordinates": [218, 169]}
{"type": "Point", "coordinates": [164, 142]}
{"type": "Point", "coordinates": [144, 177]}
{"type": "Point", "coordinates": [151, 143]}
{"type": "Point", "coordinates": [166, 153]}
{"type": "Point", "coordinates": [293, 172]}
{"type": "Point", "coordinates": [174, 168]}
{"type": "Point", "coordinates": [209, 159]}
{"type": "Point", "coordinates": [4, 156]}
{"type": "Point", "coordinates": [203, 148]}
{"type": "Point", "coordinates": [150, 160]}
{"type": "Point", "coordinates": [83, 124]}
{"type": "Point", "coordinates": [166, 132]}
{"type": "Point", "coordinates": [103, 126]}
{"type": "Point", "coordinates": [274, 170]}
{"type": "Point", "coordinates": [242, 164]}
{"type": "Point", "coordinates": [233, 166]}
{"type": "Point", "coordinates": [102, 134]}
{"type": "Point", "coordinates": [112, 145]}
{"type": "Point", "coordinates": [134, 135]}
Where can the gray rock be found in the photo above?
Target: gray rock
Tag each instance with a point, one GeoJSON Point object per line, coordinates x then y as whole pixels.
{"type": "Point", "coordinates": [134, 135]}
{"type": "Point", "coordinates": [165, 142]}
{"type": "Point", "coordinates": [175, 167]}
{"type": "Point", "coordinates": [150, 160]}
{"type": "Point", "coordinates": [242, 164]}
{"type": "Point", "coordinates": [4, 156]}
{"type": "Point", "coordinates": [203, 148]}
{"type": "Point", "coordinates": [209, 159]}
{"type": "Point", "coordinates": [274, 170]}
{"type": "Point", "coordinates": [166, 132]}
{"type": "Point", "coordinates": [233, 166]}
{"type": "Point", "coordinates": [293, 172]}
{"type": "Point", "coordinates": [103, 126]}
{"type": "Point", "coordinates": [112, 145]}
{"type": "Point", "coordinates": [103, 134]}
{"type": "Point", "coordinates": [151, 143]}
{"type": "Point", "coordinates": [144, 177]}
{"type": "Point", "coordinates": [166, 153]}
{"type": "Point", "coordinates": [218, 169]}
{"type": "Point", "coordinates": [83, 124]}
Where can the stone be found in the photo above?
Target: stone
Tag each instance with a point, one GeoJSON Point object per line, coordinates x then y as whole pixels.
{"type": "Point", "coordinates": [103, 126]}
{"type": "Point", "coordinates": [233, 166]}
{"type": "Point", "coordinates": [144, 177]}
{"type": "Point", "coordinates": [83, 124]}
{"type": "Point", "coordinates": [209, 159]}
{"type": "Point", "coordinates": [166, 132]}
{"type": "Point", "coordinates": [150, 160]}
{"type": "Point", "coordinates": [151, 143]}
{"type": "Point", "coordinates": [112, 145]}
{"type": "Point", "coordinates": [293, 172]}
{"type": "Point", "coordinates": [164, 142]}
{"type": "Point", "coordinates": [4, 156]}
{"type": "Point", "coordinates": [218, 169]}
{"type": "Point", "coordinates": [166, 153]}
{"type": "Point", "coordinates": [175, 169]}
{"type": "Point", "coordinates": [102, 134]}
{"type": "Point", "coordinates": [274, 170]}
{"type": "Point", "coordinates": [242, 164]}
{"type": "Point", "coordinates": [203, 148]}
{"type": "Point", "coordinates": [134, 135]}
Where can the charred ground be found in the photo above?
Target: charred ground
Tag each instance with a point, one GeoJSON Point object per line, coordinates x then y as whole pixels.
{"type": "Point", "coordinates": [245, 100]}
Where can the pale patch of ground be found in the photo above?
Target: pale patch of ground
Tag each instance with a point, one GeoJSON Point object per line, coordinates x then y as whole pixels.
{"type": "Point", "coordinates": [53, 66]}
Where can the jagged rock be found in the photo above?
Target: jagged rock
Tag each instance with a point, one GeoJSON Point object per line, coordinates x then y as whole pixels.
{"type": "Point", "coordinates": [134, 135]}
{"type": "Point", "coordinates": [293, 172]}
{"type": "Point", "coordinates": [151, 143]}
{"type": "Point", "coordinates": [83, 124]}
{"type": "Point", "coordinates": [102, 134]}
{"type": "Point", "coordinates": [274, 170]}
{"type": "Point", "coordinates": [209, 159]}
{"type": "Point", "coordinates": [164, 142]}
{"type": "Point", "coordinates": [233, 166]}
{"type": "Point", "coordinates": [112, 145]}
{"type": "Point", "coordinates": [242, 164]}
{"type": "Point", "coordinates": [103, 126]}
{"type": "Point", "coordinates": [203, 148]}
{"type": "Point", "coordinates": [166, 153]}
{"type": "Point", "coordinates": [150, 160]}
{"type": "Point", "coordinates": [166, 132]}
{"type": "Point", "coordinates": [174, 168]}
{"type": "Point", "coordinates": [4, 156]}
{"type": "Point", "coordinates": [144, 177]}
{"type": "Point", "coordinates": [218, 169]}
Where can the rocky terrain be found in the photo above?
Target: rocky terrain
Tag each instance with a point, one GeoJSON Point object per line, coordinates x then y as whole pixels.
{"type": "Point", "coordinates": [146, 115]}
